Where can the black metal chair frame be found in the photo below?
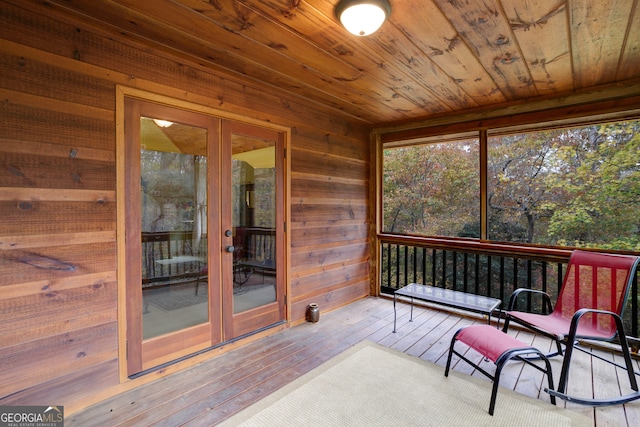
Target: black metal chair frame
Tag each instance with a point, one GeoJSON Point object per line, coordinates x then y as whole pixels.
{"type": "Point", "coordinates": [518, 353]}
{"type": "Point", "coordinates": [570, 342]}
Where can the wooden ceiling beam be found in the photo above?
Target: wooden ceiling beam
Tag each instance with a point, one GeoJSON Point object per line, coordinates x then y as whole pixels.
{"type": "Point", "coordinates": [562, 111]}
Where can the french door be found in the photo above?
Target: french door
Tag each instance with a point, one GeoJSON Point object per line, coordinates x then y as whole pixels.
{"type": "Point", "coordinates": [252, 221]}
{"type": "Point", "coordinates": [204, 239]}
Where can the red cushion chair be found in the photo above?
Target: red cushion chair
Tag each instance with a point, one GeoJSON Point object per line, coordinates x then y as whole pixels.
{"type": "Point", "coordinates": [590, 305]}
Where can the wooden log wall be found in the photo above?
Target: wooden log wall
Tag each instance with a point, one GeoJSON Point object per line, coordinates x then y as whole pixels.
{"type": "Point", "coordinates": [58, 278]}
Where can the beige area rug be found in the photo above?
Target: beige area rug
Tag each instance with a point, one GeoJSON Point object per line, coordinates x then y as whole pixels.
{"type": "Point", "coordinates": [371, 385]}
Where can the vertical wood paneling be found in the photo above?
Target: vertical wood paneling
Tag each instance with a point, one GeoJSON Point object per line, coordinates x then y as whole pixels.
{"type": "Point", "coordinates": [631, 53]}
{"type": "Point", "coordinates": [445, 47]}
{"type": "Point", "coordinates": [540, 29]}
{"type": "Point", "coordinates": [593, 63]}
{"type": "Point", "coordinates": [483, 26]}
{"type": "Point", "coordinates": [58, 261]}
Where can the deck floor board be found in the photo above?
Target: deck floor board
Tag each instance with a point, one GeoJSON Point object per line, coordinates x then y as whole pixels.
{"type": "Point", "coordinates": [214, 390]}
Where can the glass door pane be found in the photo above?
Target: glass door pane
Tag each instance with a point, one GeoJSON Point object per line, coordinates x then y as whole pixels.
{"type": "Point", "coordinates": [173, 195]}
{"type": "Point", "coordinates": [253, 201]}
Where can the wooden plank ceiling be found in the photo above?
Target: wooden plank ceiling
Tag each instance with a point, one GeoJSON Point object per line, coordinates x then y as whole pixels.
{"type": "Point", "coordinates": [431, 58]}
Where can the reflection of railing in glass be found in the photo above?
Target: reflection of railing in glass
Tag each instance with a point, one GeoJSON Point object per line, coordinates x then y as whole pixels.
{"type": "Point", "coordinates": [258, 246]}
{"type": "Point", "coordinates": [170, 257]}
{"type": "Point", "coordinates": [255, 251]}
{"type": "Point", "coordinates": [254, 267]}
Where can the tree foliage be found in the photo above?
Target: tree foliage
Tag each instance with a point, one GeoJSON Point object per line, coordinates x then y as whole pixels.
{"type": "Point", "coordinates": [569, 187]}
{"type": "Point", "coordinates": [431, 190]}
{"type": "Point", "coordinates": [602, 189]}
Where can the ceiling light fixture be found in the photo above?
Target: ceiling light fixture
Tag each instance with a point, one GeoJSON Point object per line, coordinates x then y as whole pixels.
{"type": "Point", "coordinates": [162, 123]}
{"type": "Point", "coordinates": [362, 17]}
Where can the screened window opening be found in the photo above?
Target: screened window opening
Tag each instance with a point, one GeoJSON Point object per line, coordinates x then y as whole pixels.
{"type": "Point", "coordinates": [577, 187]}
{"type": "Point", "coordinates": [432, 189]}
{"type": "Point", "coordinates": [568, 187]}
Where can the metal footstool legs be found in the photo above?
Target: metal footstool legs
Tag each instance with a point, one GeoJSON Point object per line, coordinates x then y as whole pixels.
{"type": "Point", "coordinates": [498, 347]}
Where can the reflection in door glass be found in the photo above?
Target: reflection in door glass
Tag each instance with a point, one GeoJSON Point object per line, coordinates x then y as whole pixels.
{"type": "Point", "coordinates": [253, 201]}
{"type": "Point", "coordinates": [173, 172]}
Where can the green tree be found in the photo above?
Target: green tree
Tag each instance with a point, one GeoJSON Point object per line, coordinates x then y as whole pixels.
{"type": "Point", "coordinates": [601, 181]}
{"type": "Point", "coordinates": [569, 187]}
{"type": "Point", "coordinates": [517, 170]}
{"type": "Point", "coordinates": [431, 189]}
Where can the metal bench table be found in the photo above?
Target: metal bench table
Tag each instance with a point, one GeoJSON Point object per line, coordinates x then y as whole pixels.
{"type": "Point", "coordinates": [447, 297]}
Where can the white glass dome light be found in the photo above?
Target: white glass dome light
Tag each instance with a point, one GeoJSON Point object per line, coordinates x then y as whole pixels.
{"type": "Point", "coordinates": [163, 123]}
{"type": "Point", "coordinates": [362, 17]}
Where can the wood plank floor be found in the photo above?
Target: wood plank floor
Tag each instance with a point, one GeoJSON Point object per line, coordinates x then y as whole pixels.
{"type": "Point", "coordinates": [214, 390]}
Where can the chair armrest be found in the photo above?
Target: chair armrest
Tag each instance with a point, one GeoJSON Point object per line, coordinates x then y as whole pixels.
{"type": "Point", "coordinates": [514, 299]}
{"type": "Point", "coordinates": [573, 329]}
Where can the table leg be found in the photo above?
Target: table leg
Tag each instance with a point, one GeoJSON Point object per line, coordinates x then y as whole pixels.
{"type": "Point", "coordinates": [395, 297]}
{"type": "Point", "coordinates": [499, 317]}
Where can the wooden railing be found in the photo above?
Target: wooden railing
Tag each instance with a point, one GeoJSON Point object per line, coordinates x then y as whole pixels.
{"type": "Point", "coordinates": [486, 269]}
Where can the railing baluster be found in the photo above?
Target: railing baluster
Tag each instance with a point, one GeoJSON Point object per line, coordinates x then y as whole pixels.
{"type": "Point", "coordinates": [454, 270]}
{"type": "Point", "coordinates": [465, 273]}
{"type": "Point", "coordinates": [389, 265]}
{"type": "Point", "coordinates": [502, 278]}
{"type": "Point", "coordinates": [489, 274]}
{"type": "Point", "coordinates": [559, 278]}
{"type": "Point", "coordinates": [477, 278]}
{"type": "Point", "coordinates": [529, 283]}
{"type": "Point", "coordinates": [516, 282]}
{"type": "Point", "coordinates": [634, 307]}
{"type": "Point", "coordinates": [433, 267]}
{"type": "Point", "coordinates": [406, 267]}
{"type": "Point", "coordinates": [444, 269]}
{"type": "Point", "coordinates": [424, 266]}
{"type": "Point", "coordinates": [397, 267]}
{"type": "Point", "coordinates": [415, 265]}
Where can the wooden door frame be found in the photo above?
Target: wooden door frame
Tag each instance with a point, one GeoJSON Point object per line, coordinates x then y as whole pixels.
{"type": "Point", "coordinates": [123, 265]}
